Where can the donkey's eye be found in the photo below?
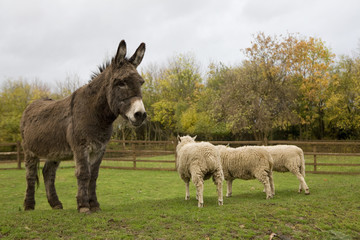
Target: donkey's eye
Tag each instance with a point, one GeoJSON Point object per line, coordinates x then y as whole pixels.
{"type": "Point", "coordinates": [120, 83]}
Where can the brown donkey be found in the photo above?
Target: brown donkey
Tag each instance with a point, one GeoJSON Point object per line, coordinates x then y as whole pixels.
{"type": "Point", "coordinates": [80, 126]}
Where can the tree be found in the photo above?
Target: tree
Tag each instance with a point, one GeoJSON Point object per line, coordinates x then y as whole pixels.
{"type": "Point", "coordinates": [15, 95]}
{"type": "Point", "coordinates": [258, 95]}
{"type": "Point", "coordinates": [342, 110]}
{"type": "Point", "coordinates": [179, 86]}
{"type": "Point", "coordinates": [311, 70]}
{"type": "Point", "coordinates": [65, 88]}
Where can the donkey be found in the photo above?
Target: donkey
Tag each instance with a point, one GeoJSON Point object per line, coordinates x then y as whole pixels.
{"type": "Point", "coordinates": [80, 126]}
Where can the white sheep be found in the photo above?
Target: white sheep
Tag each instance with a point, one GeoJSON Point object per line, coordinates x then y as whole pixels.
{"type": "Point", "coordinates": [289, 158]}
{"type": "Point", "coordinates": [198, 161]}
{"type": "Point", "coordinates": [247, 163]}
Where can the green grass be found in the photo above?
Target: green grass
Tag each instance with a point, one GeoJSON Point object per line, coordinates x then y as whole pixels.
{"type": "Point", "coordinates": [151, 205]}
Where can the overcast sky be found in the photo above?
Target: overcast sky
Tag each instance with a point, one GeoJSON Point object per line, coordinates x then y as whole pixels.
{"type": "Point", "coordinates": [49, 40]}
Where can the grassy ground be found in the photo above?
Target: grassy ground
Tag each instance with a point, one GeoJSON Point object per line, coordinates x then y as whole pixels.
{"type": "Point", "coordinates": [151, 205]}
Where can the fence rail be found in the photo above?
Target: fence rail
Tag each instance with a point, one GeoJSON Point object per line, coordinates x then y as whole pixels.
{"type": "Point", "coordinates": [160, 155]}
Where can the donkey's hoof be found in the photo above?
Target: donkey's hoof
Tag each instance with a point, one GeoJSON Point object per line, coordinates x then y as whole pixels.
{"type": "Point", "coordinates": [84, 210]}
{"type": "Point", "coordinates": [56, 207]}
{"type": "Point", "coordinates": [28, 208]}
{"type": "Point", "coordinates": [29, 205]}
{"type": "Point", "coordinates": [95, 209]}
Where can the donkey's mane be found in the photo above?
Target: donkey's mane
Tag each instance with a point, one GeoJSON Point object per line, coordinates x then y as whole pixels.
{"type": "Point", "coordinates": [102, 67]}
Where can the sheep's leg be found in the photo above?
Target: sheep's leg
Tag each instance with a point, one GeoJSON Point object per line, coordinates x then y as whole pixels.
{"type": "Point", "coordinates": [49, 174]}
{"type": "Point", "coordinates": [199, 184]}
{"type": "Point", "coordinates": [218, 179]}
{"type": "Point", "coordinates": [303, 184]}
{"type": "Point", "coordinates": [31, 163]}
{"type": "Point", "coordinates": [229, 188]}
{"type": "Point", "coordinates": [200, 191]}
{"type": "Point", "coordinates": [187, 193]}
{"type": "Point", "coordinates": [263, 177]}
{"type": "Point", "coordinates": [272, 186]}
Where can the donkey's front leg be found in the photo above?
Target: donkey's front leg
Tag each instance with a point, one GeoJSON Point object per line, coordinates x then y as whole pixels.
{"type": "Point", "coordinates": [95, 160]}
{"type": "Point", "coordinates": [82, 174]}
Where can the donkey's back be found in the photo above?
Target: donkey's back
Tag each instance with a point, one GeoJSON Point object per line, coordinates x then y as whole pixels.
{"type": "Point", "coordinates": [44, 127]}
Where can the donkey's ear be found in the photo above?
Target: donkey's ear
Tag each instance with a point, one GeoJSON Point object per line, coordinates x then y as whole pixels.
{"type": "Point", "coordinates": [121, 52]}
{"type": "Point", "coordinates": [138, 55]}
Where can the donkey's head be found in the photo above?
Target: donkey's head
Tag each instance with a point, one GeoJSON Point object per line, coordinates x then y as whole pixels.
{"type": "Point", "coordinates": [124, 89]}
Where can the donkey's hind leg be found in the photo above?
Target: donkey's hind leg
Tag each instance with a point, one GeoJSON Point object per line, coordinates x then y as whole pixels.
{"type": "Point", "coordinates": [31, 165]}
{"type": "Point", "coordinates": [49, 174]}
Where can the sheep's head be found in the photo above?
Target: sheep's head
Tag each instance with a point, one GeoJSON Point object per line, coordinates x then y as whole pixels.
{"type": "Point", "coordinates": [184, 140]}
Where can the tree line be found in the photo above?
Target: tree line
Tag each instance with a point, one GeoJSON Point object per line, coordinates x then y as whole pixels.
{"type": "Point", "coordinates": [288, 87]}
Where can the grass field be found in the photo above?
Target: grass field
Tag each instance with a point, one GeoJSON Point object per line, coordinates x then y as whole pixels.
{"type": "Point", "coordinates": [151, 205]}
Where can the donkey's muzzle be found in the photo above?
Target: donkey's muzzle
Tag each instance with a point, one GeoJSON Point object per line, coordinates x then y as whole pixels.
{"type": "Point", "coordinates": [139, 118]}
{"type": "Point", "coordinates": [136, 114]}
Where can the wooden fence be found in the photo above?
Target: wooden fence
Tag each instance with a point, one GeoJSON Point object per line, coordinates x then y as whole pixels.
{"type": "Point", "coordinates": [160, 155]}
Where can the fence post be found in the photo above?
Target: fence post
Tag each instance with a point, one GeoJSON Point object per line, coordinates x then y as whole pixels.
{"type": "Point", "coordinates": [314, 151]}
{"type": "Point", "coordinates": [134, 154]}
{"type": "Point", "coordinates": [175, 144]}
{"type": "Point", "coordinates": [18, 154]}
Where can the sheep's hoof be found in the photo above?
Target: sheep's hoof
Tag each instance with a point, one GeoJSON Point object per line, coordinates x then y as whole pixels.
{"type": "Point", "coordinates": [200, 205]}
{"type": "Point", "coordinates": [228, 195]}
{"type": "Point", "coordinates": [84, 210]}
{"type": "Point", "coordinates": [187, 197]}
{"type": "Point", "coordinates": [307, 192]}
{"type": "Point", "coordinates": [221, 203]}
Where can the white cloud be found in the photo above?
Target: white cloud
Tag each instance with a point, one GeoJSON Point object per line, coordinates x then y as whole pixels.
{"type": "Point", "coordinates": [50, 39]}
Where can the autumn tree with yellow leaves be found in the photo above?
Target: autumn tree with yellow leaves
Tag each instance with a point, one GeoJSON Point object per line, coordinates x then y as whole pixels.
{"type": "Point", "coordinates": [287, 87]}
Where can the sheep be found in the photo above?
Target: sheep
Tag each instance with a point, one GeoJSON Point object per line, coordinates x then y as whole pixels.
{"type": "Point", "coordinates": [289, 158]}
{"type": "Point", "coordinates": [198, 161]}
{"type": "Point", "coordinates": [247, 163]}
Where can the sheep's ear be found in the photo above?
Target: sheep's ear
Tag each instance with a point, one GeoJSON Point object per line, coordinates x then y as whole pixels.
{"type": "Point", "coordinates": [194, 138]}
{"type": "Point", "coordinates": [178, 138]}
